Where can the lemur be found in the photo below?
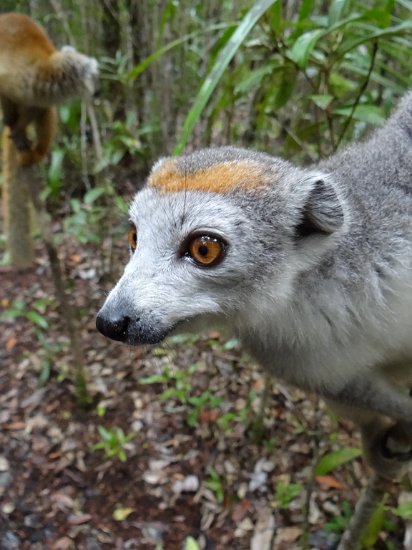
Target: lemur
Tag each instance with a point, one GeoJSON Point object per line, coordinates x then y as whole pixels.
{"type": "Point", "coordinates": [310, 267]}
{"type": "Point", "coordinates": [34, 77]}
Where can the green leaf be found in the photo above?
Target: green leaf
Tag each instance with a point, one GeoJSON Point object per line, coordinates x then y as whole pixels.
{"type": "Point", "coordinates": [336, 11]}
{"type": "Point", "coordinates": [93, 194]}
{"type": "Point", "coordinates": [191, 544]}
{"type": "Point", "coordinates": [404, 510]}
{"type": "Point", "coordinates": [55, 170]}
{"type": "Point", "coordinates": [305, 9]}
{"type": "Point", "coordinates": [154, 379]}
{"type": "Point", "coordinates": [253, 79]}
{"type": "Point", "coordinates": [341, 85]}
{"type": "Point", "coordinates": [222, 61]}
{"type": "Point", "coordinates": [374, 527]}
{"type": "Point", "coordinates": [406, 4]}
{"type": "Point", "coordinates": [44, 376]}
{"type": "Point", "coordinates": [121, 513]}
{"type": "Point", "coordinates": [285, 88]}
{"type": "Point", "coordinates": [335, 459]}
{"type": "Point", "coordinates": [142, 66]}
{"type": "Point", "coordinates": [371, 114]}
{"type": "Point", "coordinates": [37, 319]}
{"type": "Point", "coordinates": [276, 20]}
{"type": "Point", "coordinates": [233, 343]}
{"type": "Point", "coordinates": [398, 29]}
{"type": "Point", "coordinates": [304, 45]}
{"type": "Point", "coordinates": [104, 434]}
{"type": "Point", "coordinates": [322, 101]}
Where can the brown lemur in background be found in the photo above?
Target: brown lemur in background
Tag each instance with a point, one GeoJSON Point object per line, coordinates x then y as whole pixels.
{"type": "Point", "coordinates": [310, 267]}
{"type": "Point", "coordinates": [34, 78]}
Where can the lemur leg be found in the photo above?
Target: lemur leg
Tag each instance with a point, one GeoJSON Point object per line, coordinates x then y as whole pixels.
{"type": "Point", "coordinates": [46, 126]}
{"type": "Point", "coordinates": [384, 414]}
{"type": "Point", "coordinates": [17, 119]}
{"type": "Point", "coordinates": [387, 448]}
{"type": "Point", "coordinates": [10, 112]}
{"type": "Point", "coordinates": [45, 123]}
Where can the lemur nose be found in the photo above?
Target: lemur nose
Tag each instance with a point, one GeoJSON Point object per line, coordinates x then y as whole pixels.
{"type": "Point", "coordinates": [112, 326]}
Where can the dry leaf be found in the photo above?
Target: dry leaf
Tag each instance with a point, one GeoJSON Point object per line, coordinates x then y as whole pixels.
{"type": "Point", "coordinates": [330, 481]}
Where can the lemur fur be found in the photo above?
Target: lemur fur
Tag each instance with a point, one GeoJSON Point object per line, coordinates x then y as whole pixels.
{"type": "Point", "coordinates": [310, 267]}
{"type": "Point", "coordinates": [34, 77]}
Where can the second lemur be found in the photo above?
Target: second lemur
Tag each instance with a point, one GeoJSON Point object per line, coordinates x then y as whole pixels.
{"type": "Point", "coordinates": [34, 78]}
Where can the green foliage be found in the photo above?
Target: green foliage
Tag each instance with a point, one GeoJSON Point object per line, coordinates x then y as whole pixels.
{"type": "Point", "coordinates": [88, 215]}
{"type": "Point", "coordinates": [177, 381]}
{"type": "Point", "coordinates": [35, 313]}
{"type": "Point", "coordinates": [214, 482]}
{"type": "Point", "coordinates": [403, 511]}
{"type": "Point", "coordinates": [179, 387]}
{"type": "Point", "coordinates": [304, 81]}
{"type": "Point", "coordinates": [222, 61]}
{"type": "Point", "coordinates": [205, 401]}
{"type": "Point", "coordinates": [285, 493]}
{"type": "Point", "coordinates": [334, 459]}
{"type": "Point", "coordinates": [339, 523]}
{"type": "Point", "coordinates": [374, 527]}
{"type": "Point", "coordinates": [113, 441]}
{"type": "Point", "coordinates": [191, 544]}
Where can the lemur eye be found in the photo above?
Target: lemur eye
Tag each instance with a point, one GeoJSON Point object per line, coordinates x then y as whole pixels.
{"type": "Point", "coordinates": [132, 237]}
{"type": "Point", "coordinates": [206, 250]}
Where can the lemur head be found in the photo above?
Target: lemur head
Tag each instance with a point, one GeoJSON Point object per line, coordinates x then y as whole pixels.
{"type": "Point", "coordinates": [85, 70]}
{"type": "Point", "coordinates": [219, 235]}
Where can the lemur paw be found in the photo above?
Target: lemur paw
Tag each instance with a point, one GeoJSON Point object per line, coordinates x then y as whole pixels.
{"type": "Point", "coordinates": [396, 444]}
{"type": "Point", "coordinates": [20, 141]}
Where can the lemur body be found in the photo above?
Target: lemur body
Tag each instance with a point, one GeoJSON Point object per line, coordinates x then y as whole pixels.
{"type": "Point", "coordinates": [313, 271]}
{"type": "Point", "coordinates": [34, 77]}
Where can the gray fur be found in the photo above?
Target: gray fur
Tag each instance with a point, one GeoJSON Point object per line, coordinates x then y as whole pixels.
{"type": "Point", "coordinates": [327, 309]}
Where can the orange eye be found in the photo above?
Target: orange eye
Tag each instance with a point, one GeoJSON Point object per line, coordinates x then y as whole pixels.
{"type": "Point", "coordinates": [132, 237]}
{"type": "Point", "coordinates": [206, 250]}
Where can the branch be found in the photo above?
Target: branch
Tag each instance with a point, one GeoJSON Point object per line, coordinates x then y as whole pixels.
{"type": "Point", "coordinates": [365, 508]}
{"type": "Point", "coordinates": [358, 98]}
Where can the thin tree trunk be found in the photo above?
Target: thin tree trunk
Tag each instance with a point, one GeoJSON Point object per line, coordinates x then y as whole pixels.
{"type": "Point", "coordinates": [17, 213]}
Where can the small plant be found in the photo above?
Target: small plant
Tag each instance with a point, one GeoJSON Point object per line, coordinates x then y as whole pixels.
{"type": "Point", "coordinates": [215, 484]}
{"type": "Point", "coordinates": [286, 492]}
{"type": "Point", "coordinates": [113, 442]}
{"type": "Point", "coordinates": [35, 313]}
{"type": "Point", "coordinates": [339, 523]}
{"type": "Point", "coordinates": [177, 382]}
{"type": "Point", "coordinates": [205, 401]}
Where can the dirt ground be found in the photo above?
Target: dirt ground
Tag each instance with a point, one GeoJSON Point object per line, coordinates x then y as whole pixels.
{"type": "Point", "coordinates": [196, 464]}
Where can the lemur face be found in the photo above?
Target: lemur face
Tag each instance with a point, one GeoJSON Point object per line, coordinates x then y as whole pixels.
{"type": "Point", "coordinates": [189, 253]}
{"type": "Point", "coordinates": [207, 233]}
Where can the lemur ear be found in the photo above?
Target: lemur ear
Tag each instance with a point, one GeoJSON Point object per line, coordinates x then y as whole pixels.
{"type": "Point", "coordinates": [322, 213]}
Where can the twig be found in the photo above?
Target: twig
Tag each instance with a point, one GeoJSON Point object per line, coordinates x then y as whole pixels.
{"type": "Point", "coordinates": [66, 307]}
{"type": "Point", "coordinates": [310, 485]}
{"type": "Point", "coordinates": [358, 98]}
{"type": "Point", "coordinates": [365, 508]}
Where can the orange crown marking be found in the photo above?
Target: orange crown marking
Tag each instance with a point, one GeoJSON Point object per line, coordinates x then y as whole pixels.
{"type": "Point", "coordinates": [220, 178]}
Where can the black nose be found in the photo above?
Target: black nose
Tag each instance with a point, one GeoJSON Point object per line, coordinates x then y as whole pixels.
{"type": "Point", "coordinates": [116, 328]}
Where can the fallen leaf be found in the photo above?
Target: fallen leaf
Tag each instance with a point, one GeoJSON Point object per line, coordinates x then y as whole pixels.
{"type": "Point", "coordinates": [121, 513]}
{"type": "Point", "coordinates": [11, 342]}
{"type": "Point", "coordinates": [79, 519]}
{"type": "Point", "coordinates": [4, 464]}
{"type": "Point", "coordinates": [287, 534]}
{"type": "Point", "coordinates": [240, 510]}
{"type": "Point", "coordinates": [190, 484]}
{"type": "Point", "coordinates": [209, 416]}
{"type": "Point", "coordinates": [330, 481]}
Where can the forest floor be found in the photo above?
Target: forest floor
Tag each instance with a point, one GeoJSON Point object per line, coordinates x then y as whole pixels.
{"type": "Point", "coordinates": [196, 463]}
